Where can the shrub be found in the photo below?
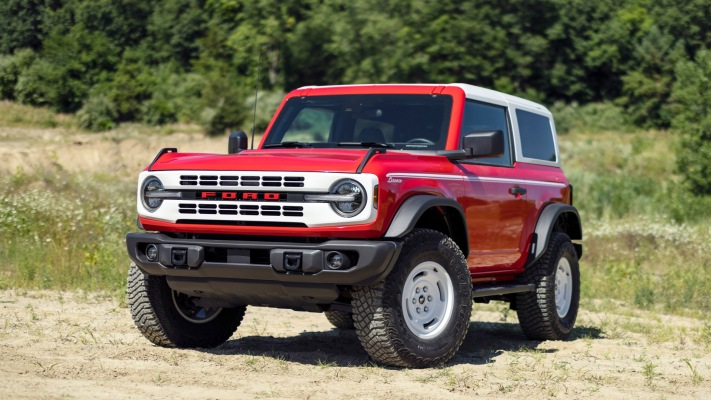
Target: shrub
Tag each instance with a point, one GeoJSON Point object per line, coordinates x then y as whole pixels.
{"type": "Point", "coordinates": [593, 117]}
{"type": "Point", "coordinates": [34, 82]}
{"type": "Point", "coordinates": [11, 66]}
{"type": "Point", "coordinates": [267, 104]}
{"type": "Point", "coordinates": [131, 85]}
{"type": "Point", "coordinates": [223, 106]}
{"type": "Point", "coordinates": [691, 97]}
{"type": "Point", "coordinates": [97, 114]}
{"type": "Point", "coordinates": [176, 97]}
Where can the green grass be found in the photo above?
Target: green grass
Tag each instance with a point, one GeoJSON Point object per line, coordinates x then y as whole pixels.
{"type": "Point", "coordinates": [646, 238]}
{"type": "Point", "coordinates": [63, 231]}
{"type": "Point", "coordinates": [18, 115]}
{"type": "Point", "coordinates": [652, 264]}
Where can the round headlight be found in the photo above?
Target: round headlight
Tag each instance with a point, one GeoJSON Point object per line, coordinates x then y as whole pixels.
{"type": "Point", "coordinates": [150, 186]}
{"type": "Point", "coordinates": [352, 188]}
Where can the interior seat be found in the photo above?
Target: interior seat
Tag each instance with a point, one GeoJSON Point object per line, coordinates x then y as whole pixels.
{"type": "Point", "coordinates": [371, 134]}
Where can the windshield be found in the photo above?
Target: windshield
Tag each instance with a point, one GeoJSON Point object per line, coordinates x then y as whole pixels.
{"type": "Point", "coordinates": [414, 122]}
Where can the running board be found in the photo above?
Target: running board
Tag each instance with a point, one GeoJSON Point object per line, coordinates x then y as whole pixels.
{"type": "Point", "coordinates": [498, 290]}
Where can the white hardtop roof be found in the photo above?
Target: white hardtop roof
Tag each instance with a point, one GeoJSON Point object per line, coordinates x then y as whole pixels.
{"type": "Point", "coordinates": [471, 92]}
{"type": "Point", "coordinates": [480, 93]}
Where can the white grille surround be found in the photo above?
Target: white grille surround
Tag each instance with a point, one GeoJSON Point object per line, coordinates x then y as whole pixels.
{"type": "Point", "coordinates": [309, 213]}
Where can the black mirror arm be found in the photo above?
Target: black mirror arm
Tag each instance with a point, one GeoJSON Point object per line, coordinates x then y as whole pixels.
{"type": "Point", "coordinates": [456, 155]}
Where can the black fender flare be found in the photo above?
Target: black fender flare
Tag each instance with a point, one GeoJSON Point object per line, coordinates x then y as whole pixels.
{"type": "Point", "coordinates": [413, 208]}
{"type": "Point", "coordinates": [547, 222]}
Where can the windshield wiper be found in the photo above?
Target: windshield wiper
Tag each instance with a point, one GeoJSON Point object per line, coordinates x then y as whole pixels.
{"type": "Point", "coordinates": [367, 144]}
{"type": "Point", "coordinates": [288, 144]}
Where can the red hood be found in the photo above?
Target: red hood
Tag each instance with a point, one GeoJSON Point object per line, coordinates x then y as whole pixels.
{"type": "Point", "coordinates": [326, 160]}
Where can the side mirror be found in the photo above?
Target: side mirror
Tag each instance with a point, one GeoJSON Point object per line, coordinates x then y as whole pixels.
{"type": "Point", "coordinates": [237, 142]}
{"type": "Point", "coordinates": [483, 144]}
{"type": "Point", "coordinates": [478, 144]}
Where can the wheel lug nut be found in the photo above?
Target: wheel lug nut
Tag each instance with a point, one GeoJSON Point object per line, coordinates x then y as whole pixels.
{"type": "Point", "coordinates": [424, 289]}
{"type": "Point", "coordinates": [419, 310]}
{"type": "Point", "coordinates": [417, 290]}
{"type": "Point", "coordinates": [427, 309]}
{"type": "Point", "coordinates": [429, 298]}
{"type": "Point", "coordinates": [414, 301]}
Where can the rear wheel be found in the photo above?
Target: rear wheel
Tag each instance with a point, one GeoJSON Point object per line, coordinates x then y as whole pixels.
{"type": "Point", "coordinates": [550, 311]}
{"type": "Point", "coordinates": [340, 319]}
{"type": "Point", "coordinates": [419, 315]}
{"type": "Point", "coordinates": [173, 319]}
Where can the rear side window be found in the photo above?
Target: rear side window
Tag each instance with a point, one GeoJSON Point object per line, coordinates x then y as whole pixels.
{"type": "Point", "coordinates": [536, 136]}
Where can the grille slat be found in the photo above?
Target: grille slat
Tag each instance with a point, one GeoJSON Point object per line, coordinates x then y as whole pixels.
{"type": "Point", "coordinates": [246, 180]}
{"type": "Point", "coordinates": [241, 209]}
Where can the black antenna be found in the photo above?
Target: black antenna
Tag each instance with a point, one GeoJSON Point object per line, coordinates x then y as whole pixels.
{"type": "Point", "coordinates": [256, 94]}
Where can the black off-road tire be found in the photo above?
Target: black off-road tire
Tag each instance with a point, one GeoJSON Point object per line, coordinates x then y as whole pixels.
{"type": "Point", "coordinates": [153, 309]}
{"type": "Point", "coordinates": [340, 319]}
{"type": "Point", "coordinates": [537, 312]}
{"type": "Point", "coordinates": [380, 314]}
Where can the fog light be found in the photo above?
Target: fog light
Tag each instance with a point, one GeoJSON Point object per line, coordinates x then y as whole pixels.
{"type": "Point", "coordinates": [334, 260]}
{"type": "Point", "coordinates": [151, 252]}
{"type": "Point", "coordinates": [337, 260]}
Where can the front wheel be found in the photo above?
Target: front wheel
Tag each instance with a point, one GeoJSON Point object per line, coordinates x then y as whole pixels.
{"type": "Point", "coordinates": [173, 319]}
{"type": "Point", "coordinates": [550, 311]}
{"type": "Point", "coordinates": [419, 315]}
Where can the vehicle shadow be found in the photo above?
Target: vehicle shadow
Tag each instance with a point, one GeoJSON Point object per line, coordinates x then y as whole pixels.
{"type": "Point", "coordinates": [483, 343]}
{"type": "Point", "coordinates": [487, 340]}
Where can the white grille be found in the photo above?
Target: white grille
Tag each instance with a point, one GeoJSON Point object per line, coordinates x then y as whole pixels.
{"type": "Point", "coordinates": [241, 209]}
{"type": "Point", "coordinates": [291, 207]}
{"type": "Point", "coordinates": [246, 180]}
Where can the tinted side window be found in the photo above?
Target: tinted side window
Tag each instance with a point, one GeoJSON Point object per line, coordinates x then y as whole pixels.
{"type": "Point", "coordinates": [486, 117]}
{"type": "Point", "coordinates": [536, 136]}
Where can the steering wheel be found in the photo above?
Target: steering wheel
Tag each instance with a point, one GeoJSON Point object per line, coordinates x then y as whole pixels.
{"type": "Point", "coordinates": [420, 141]}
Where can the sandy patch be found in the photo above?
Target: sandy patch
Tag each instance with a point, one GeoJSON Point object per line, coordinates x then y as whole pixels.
{"type": "Point", "coordinates": [76, 345]}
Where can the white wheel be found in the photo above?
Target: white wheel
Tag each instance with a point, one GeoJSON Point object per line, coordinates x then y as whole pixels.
{"type": "Point", "coordinates": [563, 287]}
{"type": "Point", "coordinates": [419, 315]}
{"type": "Point", "coordinates": [426, 300]}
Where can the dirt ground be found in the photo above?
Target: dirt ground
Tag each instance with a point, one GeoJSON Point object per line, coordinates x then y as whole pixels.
{"type": "Point", "coordinates": [85, 346]}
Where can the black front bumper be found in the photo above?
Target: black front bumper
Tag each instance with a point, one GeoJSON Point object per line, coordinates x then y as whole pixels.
{"type": "Point", "coordinates": [237, 272]}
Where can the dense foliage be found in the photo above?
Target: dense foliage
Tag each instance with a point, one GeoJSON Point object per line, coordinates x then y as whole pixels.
{"type": "Point", "coordinates": [691, 103]}
{"type": "Point", "coordinates": [195, 60]}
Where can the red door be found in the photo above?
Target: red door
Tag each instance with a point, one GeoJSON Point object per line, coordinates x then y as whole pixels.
{"type": "Point", "coordinates": [495, 201]}
{"type": "Point", "coordinates": [496, 208]}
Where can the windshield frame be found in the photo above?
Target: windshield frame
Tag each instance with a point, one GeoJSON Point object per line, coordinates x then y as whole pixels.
{"type": "Point", "coordinates": [422, 119]}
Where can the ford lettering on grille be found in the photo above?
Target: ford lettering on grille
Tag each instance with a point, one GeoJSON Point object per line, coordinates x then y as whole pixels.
{"type": "Point", "coordinates": [238, 196]}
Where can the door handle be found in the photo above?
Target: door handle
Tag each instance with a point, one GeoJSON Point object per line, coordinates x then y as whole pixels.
{"type": "Point", "coordinates": [517, 191]}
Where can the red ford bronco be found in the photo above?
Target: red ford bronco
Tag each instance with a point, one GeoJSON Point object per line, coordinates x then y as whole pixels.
{"type": "Point", "coordinates": [390, 208]}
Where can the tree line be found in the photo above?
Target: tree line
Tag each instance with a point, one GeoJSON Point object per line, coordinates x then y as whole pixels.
{"type": "Point", "coordinates": [162, 61]}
